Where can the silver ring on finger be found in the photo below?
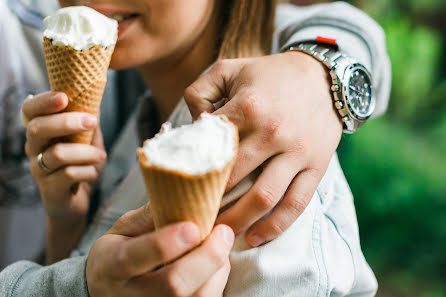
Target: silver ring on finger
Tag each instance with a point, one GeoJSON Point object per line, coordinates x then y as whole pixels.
{"type": "Point", "coordinates": [42, 165]}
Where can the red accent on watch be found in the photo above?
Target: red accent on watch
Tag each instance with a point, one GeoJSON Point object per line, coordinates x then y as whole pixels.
{"type": "Point", "coordinates": [326, 40]}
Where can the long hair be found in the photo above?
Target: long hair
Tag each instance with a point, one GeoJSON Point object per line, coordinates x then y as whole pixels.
{"type": "Point", "coordinates": [246, 28]}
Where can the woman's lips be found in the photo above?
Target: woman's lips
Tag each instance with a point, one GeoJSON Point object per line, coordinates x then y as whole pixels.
{"type": "Point", "coordinates": [124, 25]}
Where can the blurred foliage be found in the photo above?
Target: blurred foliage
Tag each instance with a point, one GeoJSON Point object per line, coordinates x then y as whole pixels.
{"type": "Point", "coordinates": [396, 165]}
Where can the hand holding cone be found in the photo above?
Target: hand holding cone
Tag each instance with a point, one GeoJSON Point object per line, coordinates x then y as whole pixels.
{"type": "Point", "coordinates": [81, 75]}
{"type": "Point", "coordinates": [78, 44]}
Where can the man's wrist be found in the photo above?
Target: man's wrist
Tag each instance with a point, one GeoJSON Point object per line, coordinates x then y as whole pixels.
{"type": "Point", "coordinates": [319, 77]}
{"type": "Point", "coordinates": [351, 83]}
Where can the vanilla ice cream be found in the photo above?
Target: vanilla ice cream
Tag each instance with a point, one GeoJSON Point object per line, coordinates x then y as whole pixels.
{"type": "Point", "coordinates": [81, 28]}
{"type": "Point", "coordinates": [207, 144]}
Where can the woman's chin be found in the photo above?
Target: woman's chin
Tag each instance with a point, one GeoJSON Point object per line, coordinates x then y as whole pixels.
{"type": "Point", "coordinates": [123, 57]}
{"type": "Point", "coordinates": [119, 62]}
{"type": "Point", "coordinates": [118, 65]}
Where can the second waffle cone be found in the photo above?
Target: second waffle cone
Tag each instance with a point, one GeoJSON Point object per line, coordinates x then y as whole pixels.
{"type": "Point", "coordinates": [176, 196]}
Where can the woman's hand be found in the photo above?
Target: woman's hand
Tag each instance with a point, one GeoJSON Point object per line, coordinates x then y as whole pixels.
{"type": "Point", "coordinates": [283, 108]}
{"type": "Point", "coordinates": [127, 261]}
{"type": "Point", "coordinates": [68, 164]}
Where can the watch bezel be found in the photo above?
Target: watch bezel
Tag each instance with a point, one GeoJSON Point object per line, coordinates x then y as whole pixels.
{"type": "Point", "coordinates": [345, 94]}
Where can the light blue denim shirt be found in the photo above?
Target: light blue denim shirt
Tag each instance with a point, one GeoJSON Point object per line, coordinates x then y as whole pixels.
{"type": "Point", "coordinates": [319, 255]}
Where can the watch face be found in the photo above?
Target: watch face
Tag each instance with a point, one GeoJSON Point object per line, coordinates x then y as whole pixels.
{"type": "Point", "coordinates": [359, 93]}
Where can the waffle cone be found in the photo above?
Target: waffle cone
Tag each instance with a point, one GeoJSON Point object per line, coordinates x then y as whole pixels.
{"type": "Point", "coordinates": [176, 196]}
{"type": "Point", "coordinates": [81, 75]}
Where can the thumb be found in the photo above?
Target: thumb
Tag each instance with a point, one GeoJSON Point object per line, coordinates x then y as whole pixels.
{"type": "Point", "coordinates": [133, 223]}
{"type": "Point", "coordinates": [212, 86]}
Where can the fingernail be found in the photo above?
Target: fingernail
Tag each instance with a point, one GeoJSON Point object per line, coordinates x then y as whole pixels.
{"type": "Point", "coordinates": [57, 99]}
{"type": "Point", "coordinates": [228, 235]}
{"type": "Point", "coordinates": [189, 234]}
{"type": "Point", "coordinates": [255, 240]}
{"type": "Point", "coordinates": [89, 122]}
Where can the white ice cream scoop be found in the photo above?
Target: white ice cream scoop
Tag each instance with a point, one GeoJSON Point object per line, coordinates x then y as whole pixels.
{"type": "Point", "coordinates": [80, 27]}
{"type": "Point", "coordinates": [205, 145]}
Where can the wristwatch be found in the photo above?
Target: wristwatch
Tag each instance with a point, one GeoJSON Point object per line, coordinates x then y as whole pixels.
{"type": "Point", "coordinates": [352, 87]}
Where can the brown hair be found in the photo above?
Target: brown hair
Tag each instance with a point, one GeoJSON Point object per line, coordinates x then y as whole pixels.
{"type": "Point", "coordinates": [246, 28]}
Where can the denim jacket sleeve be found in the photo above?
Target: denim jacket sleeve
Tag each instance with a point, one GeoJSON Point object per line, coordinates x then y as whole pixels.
{"type": "Point", "coordinates": [27, 279]}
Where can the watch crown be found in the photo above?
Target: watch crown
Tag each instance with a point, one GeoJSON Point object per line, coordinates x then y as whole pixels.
{"type": "Point", "coordinates": [335, 88]}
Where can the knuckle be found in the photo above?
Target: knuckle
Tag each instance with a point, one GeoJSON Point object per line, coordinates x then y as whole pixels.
{"type": "Point", "coordinates": [316, 173]}
{"type": "Point", "coordinates": [147, 214]}
{"type": "Point", "coordinates": [126, 218]}
{"type": "Point", "coordinates": [298, 148]}
{"type": "Point", "coordinates": [32, 130]}
{"type": "Point", "coordinates": [274, 133]}
{"type": "Point", "coordinates": [217, 254]}
{"type": "Point", "coordinates": [220, 65]}
{"type": "Point", "coordinates": [299, 204]}
{"type": "Point", "coordinates": [122, 222]}
{"type": "Point", "coordinates": [275, 228]}
{"type": "Point", "coordinates": [159, 250]}
{"type": "Point", "coordinates": [176, 283]}
{"type": "Point", "coordinates": [264, 198]}
{"type": "Point", "coordinates": [69, 173]}
{"type": "Point", "coordinates": [246, 156]}
{"type": "Point", "coordinates": [66, 123]}
{"type": "Point", "coordinates": [145, 219]}
{"type": "Point", "coordinates": [190, 92]}
{"type": "Point", "coordinates": [251, 106]}
{"type": "Point", "coordinates": [273, 128]}
{"type": "Point", "coordinates": [57, 152]}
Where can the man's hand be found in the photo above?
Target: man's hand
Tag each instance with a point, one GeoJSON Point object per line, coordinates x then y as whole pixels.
{"type": "Point", "coordinates": [283, 108]}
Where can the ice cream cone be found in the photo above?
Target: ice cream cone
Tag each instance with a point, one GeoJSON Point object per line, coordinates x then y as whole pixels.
{"type": "Point", "coordinates": [177, 196]}
{"type": "Point", "coordinates": [82, 75]}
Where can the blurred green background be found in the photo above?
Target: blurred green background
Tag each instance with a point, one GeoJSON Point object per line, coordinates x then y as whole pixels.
{"type": "Point", "coordinates": [396, 165]}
